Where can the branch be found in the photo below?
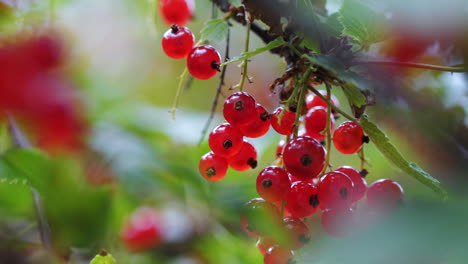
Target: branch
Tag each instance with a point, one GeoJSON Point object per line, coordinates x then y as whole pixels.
{"type": "Point", "coordinates": [411, 65]}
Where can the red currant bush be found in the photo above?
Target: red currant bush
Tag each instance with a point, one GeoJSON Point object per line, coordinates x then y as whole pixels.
{"type": "Point", "coordinates": [348, 137]}
{"type": "Point", "coordinates": [316, 122]}
{"type": "Point", "coordinates": [240, 109]}
{"type": "Point", "coordinates": [278, 255]}
{"type": "Point", "coordinates": [335, 191]}
{"type": "Point", "coordinates": [259, 126]}
{"type": "Point", "coordinates": [245, 159]}
{"type": "Point", "coordinates": [203, 62]}
{"type": "Point", "coordinates": [273, 183]}
{"type": "Point", "coordinates": [359, 183]}
{"type": "Point", "coordinates": [384, 195]}
{"type": "Point", "coordinates": [304, 157]}
{"type": "Point", "coordinates": [177, 42]}
{"type": "Point", "coordinates": [302, 199]}
{"type": "Point", "coordinates": [177, 11]}
{"type": "Point", "coordinates": [212, 167]}
{"type": "Point", "coordinates": [142, 231]}
{"type": "Point", "coordinates": [225, 140]}
{"type": "Point", "coordinates": [284, 124]}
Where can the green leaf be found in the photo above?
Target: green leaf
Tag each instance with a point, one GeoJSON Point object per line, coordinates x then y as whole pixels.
{"type": "Point", "coordinates": [103, 258]}
{"type": "Point", "coordinates": [245, 55]}
{"type": "Point", "coordinates": [352, 88]}
{"type": "Point", "coordinates": [236, 2]}
{"type": "Point", "coordinates": [361, 22]}
{"type": "Point", "coordinates": [215, 30]}
{"type": "Point", "coordinates": [391, 153]}
{"type": "Point", "coordinates": [335, 28]}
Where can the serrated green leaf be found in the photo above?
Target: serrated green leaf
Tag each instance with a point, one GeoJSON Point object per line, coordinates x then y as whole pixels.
{"type": "Point", "coordinates": [245, 55]}
{"type": "Point", "coordinates": [361, 22]}
{"type": "Point", "coordinates": [103, 258]}
{"type": "Point", "coordinates": [391, 153]}
{"type": "Point", "coordinates": [215, 30]}
{"type": "Point", "coordinates": [335, 28]}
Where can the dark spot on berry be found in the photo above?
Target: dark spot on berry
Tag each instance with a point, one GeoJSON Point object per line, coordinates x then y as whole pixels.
{"type": "Point", "coordinates": [344, 193]}
{"type": "Point", "coordinates": [306, 160]}
{"type": "Point", "coordinates": [313, 200]}
{"type": "Point", "coordinates": [174, 28]}
{"type": "Point", "coordinates": [291, 261]}
{"type": "Point", "coordinates": [363, 173]}
{"type": "Point", "coordinates": [264, 116]}
{"type": "Point", "coordinates": [210, 172]}
{"type": "Point", "coordinates": [252, 163]}
{"type": "Point", "coordinates": [227, 143]}
{"type": "Point", "coordinates": [267, 183]}
{"type": "Point", "coordinates": [215, 65]}
{"type": "Point", "coordinates": [239, 105]}
{"type": "Point", "coordinates": [304, 239]}
{"type": "Point", "coordinates": [365, 139]}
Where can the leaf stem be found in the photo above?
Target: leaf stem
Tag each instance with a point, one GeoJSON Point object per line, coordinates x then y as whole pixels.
{"type": "Point", "coordinates": [411, 65]}
{"type": "Point", "coordinates": [328, 130]}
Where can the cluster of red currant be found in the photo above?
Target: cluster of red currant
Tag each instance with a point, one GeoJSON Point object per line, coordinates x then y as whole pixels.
{"type": "Point", "coordinates": [295, 188]}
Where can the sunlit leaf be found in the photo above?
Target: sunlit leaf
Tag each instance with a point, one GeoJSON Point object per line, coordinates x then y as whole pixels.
{"type": "Point", "coordinates": [215, 30]}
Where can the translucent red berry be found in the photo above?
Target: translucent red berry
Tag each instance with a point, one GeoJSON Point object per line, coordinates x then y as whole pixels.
{"type": "Point", "coordinates": [245, 159]}
{"type": "Point", "coordinates": [304, 157]}
{"type": "Point", "coordinates": [260, 218]}
{"type": "Point", "coordinates": [335, 191]}
{"type": "Point", "coordinates": [273, 183]}
{"type": "Point", "coordinates": [212, 167]}
{"type": "Point", "coordinates": [298, 233]}
{"type": "Point", "coordinates": [313, 100]}
{"type": "Point", "coordinates": [177, 11]}
{"type": "Point", "coordinates": [240, 109]}
{"type": "Point", "coordinates": [348, 137]}
{"type": "Point", "coordinates": [203, 62]}
{"type": "Point", "coordinates": [278, 255]}
{"type": "Point", "coordinates": [225, 140]}
{"type": "Point", "coordinates": [142, 231]}
{"type": "Point", "coordinates": [259, 126]}
{"type": "Point", "coordinates": [264, 243]}
{"type": "Point", "coordinates": [384, 195]}
{"type": "Point", "coordinates": [302, 199]}
{"type": "Point", "coordinates": [337, 223]}
{"type": "Point", "coordinates": [285, 126]}
{"type": "Point", "coordinates": [177, 42]}
{"type": "Point", "coordinates": [316, 122]}
{"type": "Point", "coordinates": [359, 183]}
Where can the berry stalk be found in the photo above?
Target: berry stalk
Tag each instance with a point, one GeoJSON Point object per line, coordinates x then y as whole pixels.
{"type": "Point", "coordinates": [245, 62]}
{"type": "Point", "coordinates": [300, 104]}
{"type": "Point", "coordinates": [182, 78]}
{"type": "Point", "coordinates": [337, 109]}
{"type": "Point", "coordinates": [327, 130]}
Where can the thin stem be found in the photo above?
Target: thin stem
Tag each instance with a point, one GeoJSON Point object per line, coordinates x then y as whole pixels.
{"type": "Point", "coordinates": [333, 106]}
{"type": "Point", "coordinates": [328, 130]}
{"type": "Point", "coordinates": [182, 78]}
{"type": "Point", "coordinates": [304, 82]}
{"type": "Point", "coordinates": [412, 65]}
{"type": "Point", "coordinates": [362, 157]}
{"type": "Point", "coordinates": [245, 62]}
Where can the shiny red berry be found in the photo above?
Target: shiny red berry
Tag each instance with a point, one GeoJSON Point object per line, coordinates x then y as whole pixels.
{"type": "Point", "coordinates": [335, 191]}
{"type": "Point", "coordinates": [245, 159]}
{"type": "Point", "coordinates": [203, 62]}
{"type": "Point", "coordinates": [260, 218]}
{"type": "Point", "coordinates": [316, 122]}
{"type": "Point", "coordinates": [360, 184]}
{"type": "Point", "coordinates": [225, 140]}
{"type": "Point", "coordinates": [384, 195]}
{"type": "Point", "coordinates": [304, 157]}
{"type": "Point", "coordinates": [177, 11]}
{"type": "Point", "coordinates": [337, 223]}
{"type": "Point", "coordinates": [240, 109]}
{"type": "Point", "coordinates": [177, 42]}
{"type": "Point", "coordinates": [278, 255]}
{"type": "Point", "coordinates": [212, 167]}
{"type": "Point", "coordinates": [273, 183]}
{"type": "Point", "coordinates": [313, 100]}
{"type": "Point", "coordinates": [298, 233]}
{"type": "Point", "coordinates": [348, 137]}
{"type": "Point", "coordinates": [142, 231]}
{"type": "Point", "coordinates": [264, 243]}
{"type": "Point", "coordinates": [285, 126]}
{"type": "Point", "coordinates": [259, 126]}
{"type": "Point", "coordinates": [302, 199]}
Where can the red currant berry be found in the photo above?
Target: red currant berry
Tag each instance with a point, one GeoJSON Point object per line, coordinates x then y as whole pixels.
{"type": "Point", "coordinates": [142, 231]}
{"type": "Point", "coordinates": [273, 183]}
{"type": "Point", "coordinates": [240, 109]}
{"type": "Point", "coordinates": [302, 199]}
{"type": "Point", "coordinates": [360, 184]}
{"type": "Point", "coordinates": [259, 126]}
{"type": "Point", "coordinates": [335, 191]}
{"type": "Point", "coordinates": [212, 167]}
{"type": "Point", "coordinates": [245, 159]}
{"type": "Point", "coordinates": [348, 137]}
{"type": "Point", "coordinates": [278, 255]}
{"type": "Point", "coordinates": [203, 62]}
{"type": "Point", "coordinates": [316, 122]}
{"type": "Point", "coordinates": [338, 222]}
{"type": "Point", "coordinates": [298, 233]}
{"type": "Point", "coordinates": [285, 126]}
{"type": "Point", "coordinates": [280, 148]}
{"type": "Point", "coordinates": [177, 42]}
{"type": "Point", "coordinates": [260, 218]}
{"type": "Point", "coordinates": [264, 243]}
{"type": "Point", "coordinates": [304, 157]}
{"type": "Point", "coordinates": [225, 140]}
{"type": "Point", "coordinates": [177, 11]}
{"type": "Point", "coordinates": [313, 100]}
{"type": "Point", "coordinates": [384, 195]}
